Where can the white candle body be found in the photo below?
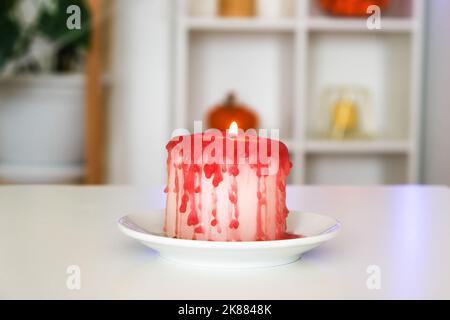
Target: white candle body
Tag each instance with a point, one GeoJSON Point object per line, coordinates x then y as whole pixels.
{"type": "Point", "coordinates": [247, 203]}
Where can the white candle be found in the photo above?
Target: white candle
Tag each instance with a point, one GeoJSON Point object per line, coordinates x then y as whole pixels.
{"type": "Point", "coordinates": [239, 199]}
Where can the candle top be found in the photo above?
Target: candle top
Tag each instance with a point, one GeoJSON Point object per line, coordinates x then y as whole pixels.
{"type": "Point", "coordinates": [267, 156]}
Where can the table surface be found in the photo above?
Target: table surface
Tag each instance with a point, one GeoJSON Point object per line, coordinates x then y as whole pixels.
{"type": "Point", "coordinates": [405, 231]}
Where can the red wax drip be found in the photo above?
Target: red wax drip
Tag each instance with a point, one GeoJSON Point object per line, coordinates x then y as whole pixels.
{"type": "Point", "coordinates": [199, 229]}
{"type": "Point", "coordinates": [233, 196]}
{"type": "Point", "coordinates": [177, 188]}
{"type": "Point", "coordinates": [214, 221]}
{"type": "Point", "coordinates": [234, 224]}
{"type": "Point", "coordinates": [288, 235]}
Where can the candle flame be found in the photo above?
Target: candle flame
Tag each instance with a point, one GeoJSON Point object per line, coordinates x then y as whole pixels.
{"type": "Point", "coordinates": [233, 130]}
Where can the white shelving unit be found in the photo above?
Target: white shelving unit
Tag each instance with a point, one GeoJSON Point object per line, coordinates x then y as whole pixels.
{"type": "Point", "coordinates": [280, 66]}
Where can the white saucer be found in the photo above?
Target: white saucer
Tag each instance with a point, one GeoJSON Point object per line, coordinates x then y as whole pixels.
{"type": "Point", "coordinates": [148, 229]}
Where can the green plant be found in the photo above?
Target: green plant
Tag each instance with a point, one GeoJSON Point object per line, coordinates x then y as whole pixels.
{"type": "Point", "coordinates": [50, 23]}
{"type": "Point", "coordinates": [10, 31]}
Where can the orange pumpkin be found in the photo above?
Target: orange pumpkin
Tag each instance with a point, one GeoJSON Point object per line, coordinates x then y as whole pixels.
{"type": "Point", "coordinates": [221, 116]}
{"type": "Point", "coordinates": [351, 7]}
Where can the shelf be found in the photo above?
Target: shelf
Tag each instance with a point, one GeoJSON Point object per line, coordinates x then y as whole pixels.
{"type": "Point", "coordinates": [284, 68]}
{"type": "Point", "coordinates": [339, 25]}
{"type": "Point", "coordinates": [357, 147]}
{"type": "Point", "coordinates": [240, 24]}
{"type": "Point", "coordinates": [290, 24]}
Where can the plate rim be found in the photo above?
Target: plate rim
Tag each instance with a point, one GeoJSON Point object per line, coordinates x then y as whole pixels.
{"type": "Point", "coordinates": [235, 245]}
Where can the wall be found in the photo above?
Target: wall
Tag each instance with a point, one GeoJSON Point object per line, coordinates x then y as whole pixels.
{"type": "Point", "coordinates": [140, 102]}
{"type": "Point", "coordinates": [436, 141]}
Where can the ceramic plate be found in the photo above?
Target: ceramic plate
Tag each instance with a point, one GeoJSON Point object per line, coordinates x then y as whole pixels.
{"type": "Point", "coordinates": [315, 229]}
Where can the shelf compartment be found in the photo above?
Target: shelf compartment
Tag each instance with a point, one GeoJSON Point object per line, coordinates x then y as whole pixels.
{"type": "Point", "coordinates": [256, 66]}
{"type": "Point", "coordinates": [356, 169]}
{"type": "Point", "coordinates": [379, 62]}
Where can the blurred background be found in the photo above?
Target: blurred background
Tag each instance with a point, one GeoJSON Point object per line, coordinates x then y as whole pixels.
{"type": "Point", "coordinates": [91, 91]}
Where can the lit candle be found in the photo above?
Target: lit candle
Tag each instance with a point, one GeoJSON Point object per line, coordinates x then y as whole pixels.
{"type": "Point", "coordinates": [226, 186]}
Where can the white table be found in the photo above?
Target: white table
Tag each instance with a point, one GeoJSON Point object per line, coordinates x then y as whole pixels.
{"type": "Point", "coordinates": [43, 230]}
